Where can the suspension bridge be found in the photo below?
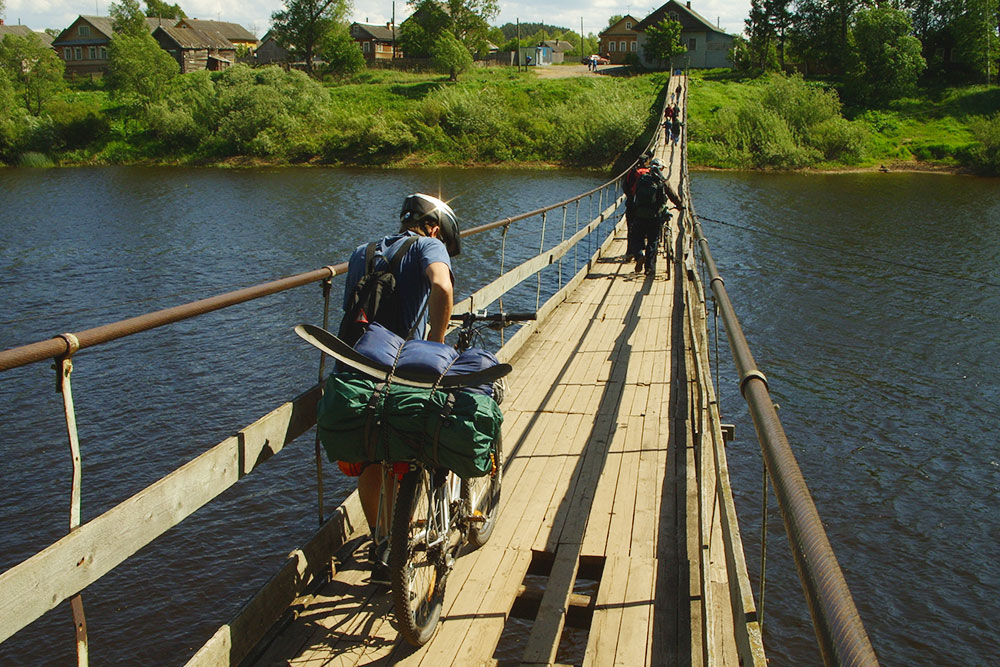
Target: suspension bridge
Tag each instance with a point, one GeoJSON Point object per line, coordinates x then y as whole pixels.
{"type": "Point", "coordinates": [617, 540]}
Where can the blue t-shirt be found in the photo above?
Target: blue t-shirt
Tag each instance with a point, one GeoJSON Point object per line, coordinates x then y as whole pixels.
{"type": "Point", "coordinates": [412, 284]}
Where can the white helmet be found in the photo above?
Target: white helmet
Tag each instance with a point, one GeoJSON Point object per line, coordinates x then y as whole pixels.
{"type": "Point", "coordinates": [419, 209]}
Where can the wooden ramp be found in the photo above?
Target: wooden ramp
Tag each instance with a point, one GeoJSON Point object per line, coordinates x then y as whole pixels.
{"type": "Point", "coordinates": [596, 558]}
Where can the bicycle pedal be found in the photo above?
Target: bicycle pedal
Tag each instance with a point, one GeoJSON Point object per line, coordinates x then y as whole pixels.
{"type": "Point", "coordinates": [477, 517]}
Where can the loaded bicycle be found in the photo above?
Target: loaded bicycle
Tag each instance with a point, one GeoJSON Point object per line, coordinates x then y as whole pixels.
{"type": "Point", "coordinates": [427, 513]}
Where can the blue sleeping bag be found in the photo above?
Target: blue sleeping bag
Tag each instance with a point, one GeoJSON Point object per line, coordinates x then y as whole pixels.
{"type": "Point", "coordinates": [424, 356]}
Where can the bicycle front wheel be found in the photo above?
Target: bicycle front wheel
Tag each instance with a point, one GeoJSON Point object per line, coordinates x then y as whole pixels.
{"type": "Point", "coordinates": [482, 495]}
{"type": "Point", "coordinates": [415, 566]}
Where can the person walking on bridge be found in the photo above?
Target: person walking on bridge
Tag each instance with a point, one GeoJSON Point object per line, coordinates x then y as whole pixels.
{"type": "Point", "coordinates": [649, 213]}
{"type": "Point", "coordinates": [427, 239]}
{"type": "Point", "coordinates": [640, 167]}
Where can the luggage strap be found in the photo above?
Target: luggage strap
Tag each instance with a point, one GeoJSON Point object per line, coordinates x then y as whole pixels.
{"type": "Point", "coordinates": [449, 405]}
{"type": "Point", "coordinates": [373, 413]}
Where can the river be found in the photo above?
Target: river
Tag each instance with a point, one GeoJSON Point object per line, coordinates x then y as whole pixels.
{"type": "Point", "coordinates": [871, 302]}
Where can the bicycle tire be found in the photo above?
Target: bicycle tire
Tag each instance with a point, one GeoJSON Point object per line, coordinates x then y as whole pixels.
{"type": "Point", "coordinates": [415, 574]}
{"type": "Point", "coordinates": [479, 533]}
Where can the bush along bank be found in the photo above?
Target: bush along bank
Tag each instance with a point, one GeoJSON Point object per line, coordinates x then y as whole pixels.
{"type": "Point", "coordinates": [267, 115]}
{"type": "Point", "coordinates": [786, 122]}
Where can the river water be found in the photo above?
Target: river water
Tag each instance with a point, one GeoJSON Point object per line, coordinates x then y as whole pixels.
{"type": "Point", "coordinates": [870, 301]}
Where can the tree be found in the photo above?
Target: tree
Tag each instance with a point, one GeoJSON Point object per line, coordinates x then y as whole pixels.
{"type": "Point", "coordinates": [35, 71]}
{"type": "Point", "coordinates": [467, 20]}
{"type": "Point", "coordinates": [138, 70]}
{"type": "Point", "coordinates": [663, 40]}
{"type": "Point", "coordinates": [127, 18]}
{"type": "Point", "coordinates": [341, 52]}
{"type": "Point", "coordinates": [885, 59]}
{"type": "Point", "coordinates": [819, 32]}
{"type": "Point", "coordinates": [450, 56]}
{"type": "Point", "coordinates": [760, 47]}
{"type": "Point", "coordinates": [159, 8]}
{"type": "Point", "coordinates": [303, 24]}
{"type": "Point", "coordinates": [973, 31]}
{"type": "Point", "coordinates": [615, 18]}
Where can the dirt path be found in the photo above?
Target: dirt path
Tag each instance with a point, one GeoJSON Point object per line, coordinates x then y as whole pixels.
{"type": "Point", "coordinates": [566, 71]}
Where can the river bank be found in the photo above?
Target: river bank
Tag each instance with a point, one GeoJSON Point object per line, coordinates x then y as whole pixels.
{"type": "Point", "coordinates": [497, 118]}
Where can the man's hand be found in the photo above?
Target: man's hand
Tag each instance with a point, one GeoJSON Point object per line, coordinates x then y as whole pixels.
{"type": "Point", "coordinates": [440, 300]}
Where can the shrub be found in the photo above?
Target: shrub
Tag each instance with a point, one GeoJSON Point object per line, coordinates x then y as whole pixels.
{"type": "Point", "coordinates": [799, 104]}
{"type": "Point", "coordinates": [984, 154]}
{"type": "Point", "coordinates": [839, 139]}
{"type": "Point", "coordinates": [76, 124]}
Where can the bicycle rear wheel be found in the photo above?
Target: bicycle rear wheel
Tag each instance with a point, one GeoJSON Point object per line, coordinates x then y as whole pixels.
{"type": "Point", "coordinates": [415, 567]}
{"type": "Point", "coordinates": [483, 497]}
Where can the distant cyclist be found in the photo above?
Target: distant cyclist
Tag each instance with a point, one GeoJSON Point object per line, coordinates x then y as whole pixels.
{"type": "Point", "coordinates": [424, 284]}
{"type": "Point", "coordinates": [650, 212]}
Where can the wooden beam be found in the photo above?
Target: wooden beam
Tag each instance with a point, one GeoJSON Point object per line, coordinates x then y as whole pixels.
{"type": "Point", "coordinates": [38, 584]}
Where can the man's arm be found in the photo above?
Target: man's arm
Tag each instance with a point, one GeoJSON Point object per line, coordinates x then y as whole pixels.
{"type": "Point", "coordinates": [673, 195]}
{"type": "Point", "coordinates": [440, 300]}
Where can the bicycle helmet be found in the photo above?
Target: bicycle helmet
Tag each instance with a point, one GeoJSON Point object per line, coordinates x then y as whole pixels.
{"type": "Point", "coordinates": [421, 209]}
{"type": "Point", "coordinates": [656, 164]}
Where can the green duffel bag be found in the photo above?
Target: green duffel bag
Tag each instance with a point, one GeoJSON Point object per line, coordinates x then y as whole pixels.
{"type": "Point", "coordinates": [359, 420]}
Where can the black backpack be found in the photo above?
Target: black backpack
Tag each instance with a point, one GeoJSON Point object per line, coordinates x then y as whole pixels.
{"type": "Point", "coordinates": [649, 196]}
{"type": "Point", "coordinates": [374, 298]}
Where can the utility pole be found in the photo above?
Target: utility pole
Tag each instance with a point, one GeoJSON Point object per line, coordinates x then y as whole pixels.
{"type": "Point", "coordinates": [582, 56]}
{"type": "Point", "coordinates": [394, 31]}
{"type": "Point", "coordinates": [518, 44]}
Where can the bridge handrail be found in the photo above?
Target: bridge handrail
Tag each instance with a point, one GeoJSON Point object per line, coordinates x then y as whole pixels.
{"type": "Point", "coordinates": [841, 635]}
{"type": "Point", "coordinates": [59, 345]}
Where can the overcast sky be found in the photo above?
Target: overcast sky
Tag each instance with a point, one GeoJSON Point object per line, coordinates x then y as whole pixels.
{"type": "Point", "coordinates": [255, 15]}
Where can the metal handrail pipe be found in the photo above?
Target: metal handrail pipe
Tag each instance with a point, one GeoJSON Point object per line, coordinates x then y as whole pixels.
{"type": "Point", "coordinates": [58, 345]}
{"type": "Point", "coordinates": [54, 347]}
{"type": "Point", "coordinates": [840, 633]}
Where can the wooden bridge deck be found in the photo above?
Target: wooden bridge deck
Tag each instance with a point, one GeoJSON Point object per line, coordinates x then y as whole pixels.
{"type": "Point", "coordinates": [598, 540]}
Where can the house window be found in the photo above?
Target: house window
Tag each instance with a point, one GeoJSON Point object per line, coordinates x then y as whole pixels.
{"type": "Point", "coordinates": [367, 47]}
{"type": "Point", "coordinates": [621, 46]}
{"type": "Point", "coordinates": [673, 16]}
{"type": "Point", "coordinates": [692, 44]}
{"type": "Point", "coordinates": [633, 45]}
{"type": "Point", "coordinates": [611, 46]}
{"type": "Point", "coordinates": [92, 52]}
{"type": "Point", "coordinates": [77, 53]}
{"type": "Point", "coordinates": [67, 53]}
{"type": "Point", "coordinates": [83, 31]}
{"type": "Point", "coordinates": [628, 25]}
{"type": "Point", "coordinates": [104, 52]}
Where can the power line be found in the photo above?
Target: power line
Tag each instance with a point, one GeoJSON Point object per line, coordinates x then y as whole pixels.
{"type": "Point", "coordinates": [872, 258]}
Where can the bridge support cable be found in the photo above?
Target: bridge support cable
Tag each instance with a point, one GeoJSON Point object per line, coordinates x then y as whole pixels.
{"type": "Point", "coordinates": [840, 632]}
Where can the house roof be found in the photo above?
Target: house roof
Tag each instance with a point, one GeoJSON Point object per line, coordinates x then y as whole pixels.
{"type": "Point", "coordinates": [557, 45]}
{"type": "Point", "coordinates": [619, 27]}
{"type": "Point", "coordinates": [191, 38]}
{"type": "Point", "coordinates": [378, 32]}
{"type": "Point", "coordinates": [103, 26]}
{"type": "Point", "coordinates": [233, 32]}
{"type": "Point", "coordinates": [687, 17]}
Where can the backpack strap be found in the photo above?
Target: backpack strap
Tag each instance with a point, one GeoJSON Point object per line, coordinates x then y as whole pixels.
{"type": "Point", "coordinates": [397, 257]}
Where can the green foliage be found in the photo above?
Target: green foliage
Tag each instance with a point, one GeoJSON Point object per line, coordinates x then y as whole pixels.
{"type": "Point", "coordinates": [885, 60]}
{"type": "Point", "coordinates": [449, 56]}
{"type": "Point", "coordinates": [305, 24]}
{"type": "Point", "coordinates": [341, 53]}
{"type": "Point", "coordinates": [663, 41]}
{"type": "Point", "coordinates": [467, 20]}
{"type": "Point", "coordinates": [782, 122]}
{"type": "Point", "coordinates": [985, 153]}
{"type": "Point", "coordinates": [163, 10]}
{"type": "Point", "coordinates": [35, 71]}
{"type": "Point", "coordinates": [127, 18]}
{"type": "Point", "coordinates": [138, 70]}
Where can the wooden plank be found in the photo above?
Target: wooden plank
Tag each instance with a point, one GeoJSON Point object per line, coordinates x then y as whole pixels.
{"type": "Point", "coordinates": [234, 641]}
{"type": "Point", "coordinates": [637, 613]}
{"type": "Point", "coordinates": [547, 629]}
{"type": "Point", "coordinates": [602, 641]}
{"type": "Point", "coordinates": [487, 626]}
{"type": "Point", "coordinates": [38, 584]}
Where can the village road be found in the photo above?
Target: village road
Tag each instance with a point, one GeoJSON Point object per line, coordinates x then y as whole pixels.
{"type": "Point", "coordinates": [566, 71]}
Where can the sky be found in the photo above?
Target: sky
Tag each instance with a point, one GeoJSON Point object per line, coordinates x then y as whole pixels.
{"type": "Point", "coordinates": [255, 15]}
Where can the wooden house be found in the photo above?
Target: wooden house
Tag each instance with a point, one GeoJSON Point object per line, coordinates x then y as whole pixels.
{"type": "Point", "coordinates": [24, 31]}
{"type": "Point", "coordinates": [83, 46]}
{"type": "Point", "coordinates": [619, 40]}
{"type": "Point", "coordinates": [196, 50]}
{"type": "Point", "coordinates": [377, 42]}
{"type": "Point", "coordinates": [234, 33]}
{"type": "Point", "coordinates": [558, 47]}
{"type": "Point", "coordinates": [270, 52]}
{"type": "Point", "coordinates": [707, 45]}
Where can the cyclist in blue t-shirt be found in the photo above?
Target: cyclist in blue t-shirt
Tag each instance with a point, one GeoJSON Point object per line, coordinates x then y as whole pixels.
{"type": "Point", "coordinates": [424, 285]}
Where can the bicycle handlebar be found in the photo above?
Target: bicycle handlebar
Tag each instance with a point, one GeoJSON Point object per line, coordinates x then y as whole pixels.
{"type": "Point", "coordinates": [499, 317]}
